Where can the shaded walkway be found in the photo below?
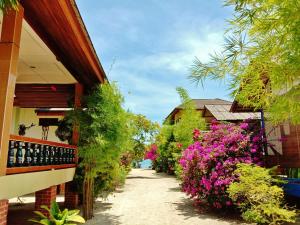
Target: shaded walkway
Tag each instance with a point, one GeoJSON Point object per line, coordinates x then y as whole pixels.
{"type": "Point", "coordinates": [152, 199]}
{"type": "Point", "coordinates": [20, 213]}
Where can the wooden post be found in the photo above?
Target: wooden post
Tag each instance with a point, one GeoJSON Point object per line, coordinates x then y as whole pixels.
{"type": "Point", "coordinates": [77, 104]}
{"type": "Point", "coordinates": [71, 196]}
{"type": "Point", "coordinates": [9, 56]}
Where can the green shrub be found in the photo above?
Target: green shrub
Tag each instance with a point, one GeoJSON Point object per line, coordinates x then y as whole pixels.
{"type": "Point", "coordinates": [260, 200]}
{"type": "Point", "coordinates": [58, 217]}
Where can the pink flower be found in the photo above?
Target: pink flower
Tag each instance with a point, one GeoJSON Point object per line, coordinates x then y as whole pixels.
{"type": "Point", "coordinates": [228, 203]}
{"type": "Point", "coordinates": [208, 164]}
{"type": "Point", "coordinates": [244, 126]}
{"type": "Point", "coordinates": [151, 153]}
{"type": "Point", "coordinates": [253, 150]}
{"type": "Point", "coordinates": [196, 134]}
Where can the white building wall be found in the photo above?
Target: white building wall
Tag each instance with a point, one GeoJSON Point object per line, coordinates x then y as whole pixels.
{"type": "Point", "coordinates": [27, 116]}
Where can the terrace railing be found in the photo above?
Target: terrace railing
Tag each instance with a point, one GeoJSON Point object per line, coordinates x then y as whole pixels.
{"type": "Point", "coordinates": [32, 155]}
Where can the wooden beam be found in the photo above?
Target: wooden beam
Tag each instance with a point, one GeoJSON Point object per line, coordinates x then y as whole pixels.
{"type": "Point", "coordinates": [30, 169]}
{"type": "Point", "coordinates": [40, 141]}
{"type": "Point", "coordinates": [9, 57]}
{"type": "Point", "coordinates": [50, 113]}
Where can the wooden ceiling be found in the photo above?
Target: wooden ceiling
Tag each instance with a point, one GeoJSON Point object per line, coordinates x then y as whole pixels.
{"type": "Point", "coordinates": [44, 95]}
{"type": "Point", "coordinates": [59, 25]}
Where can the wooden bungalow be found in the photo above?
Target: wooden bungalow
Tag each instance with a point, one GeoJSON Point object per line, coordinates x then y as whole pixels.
{"type": "Point", "coordinates": [47, 60]}
{"type": "Point", "coordinates": [284, 144]}
{"type": "Point", "coordinates": [214, 109]}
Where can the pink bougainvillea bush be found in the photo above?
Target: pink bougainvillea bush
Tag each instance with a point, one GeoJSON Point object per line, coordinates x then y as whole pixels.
{"type": "Point", "coordinates": [152, 153]}
{"type": "Point", "coordinates": [208, 164]}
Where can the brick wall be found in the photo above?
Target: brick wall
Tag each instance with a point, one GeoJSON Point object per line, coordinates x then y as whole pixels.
{"type": "Point", "coordinates": [45, 197]}
{"type": "Point", "coordinates": [3, 211]}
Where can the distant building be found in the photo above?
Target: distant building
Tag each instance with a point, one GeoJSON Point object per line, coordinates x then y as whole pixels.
{"type": "Point", "coordinates": [214, 109]}
{"type": "Point", "coordinates": [283, 142]}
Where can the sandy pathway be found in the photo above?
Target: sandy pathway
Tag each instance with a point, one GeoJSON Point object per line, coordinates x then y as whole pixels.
{"type": "Point", "coordinates": [151, 199]}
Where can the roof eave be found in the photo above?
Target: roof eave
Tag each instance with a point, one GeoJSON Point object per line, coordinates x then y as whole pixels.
{"type": "Point", "coordinates": [60, 26]}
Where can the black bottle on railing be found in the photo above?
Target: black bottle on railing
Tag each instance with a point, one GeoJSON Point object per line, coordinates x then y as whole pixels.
{"type": "Point", "coordinates": [63, 157]}
{"type": "Point", "coordinates": [27, 156]}
{"type": "Point", "coordinates": [11, 154]}
{"type": "Point", "coordinates": [51, 155]}
{"type": "Point", "coordinates": [60, 155]}
{"type": "Point", "coordinates": [19, 154]}
{"type": "Point", "coordinates": [56, 155]}
{"type": "Point", "coordinates": [34, 156]}
{"type": "Point", "coordinates": [72, 156]}
{"type": "Point", "coordinates": [41, 155]}
{"type": "Point", "coordinates": [67, 156]}
{"type": "Point", "coordinates": [46, 155]}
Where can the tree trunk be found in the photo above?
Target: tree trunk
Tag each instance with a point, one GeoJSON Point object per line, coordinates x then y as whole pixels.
{"type": "Point", "coordinates": [88, 192]}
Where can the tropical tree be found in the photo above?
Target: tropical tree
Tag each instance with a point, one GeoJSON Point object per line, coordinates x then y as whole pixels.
{"type": "Point", "coordinates": [190, 119]}
{"type": "Point", "coordinates": [143, 132]}
{"type": "Point", "coordinates": [174, 138]}
{"type": "Point", "coordinates": [261, 57]}
{"type": "Point", "coordinates": [104, 135]}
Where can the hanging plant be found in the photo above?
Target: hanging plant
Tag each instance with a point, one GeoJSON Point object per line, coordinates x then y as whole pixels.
{"type": "Point", "coordinates": [64, 130]}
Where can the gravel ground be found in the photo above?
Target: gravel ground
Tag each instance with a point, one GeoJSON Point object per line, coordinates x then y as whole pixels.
{"type": "Point", "coordinates": [149, 198]}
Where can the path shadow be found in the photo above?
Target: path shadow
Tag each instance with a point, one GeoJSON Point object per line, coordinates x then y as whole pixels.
{"type": "Point", "coordinates": [186, 208]}
{"type": "Point", "coordinates": [101, 215]}
{"type": "Point", "coordinates": [119, 190]}
{"type": "Point", "coordinates": [175, 189]}
{"type": "Point", "coordinates": [105, 219]}
{"type": "Point", "coordinates": [141, 177]}
{"type": "Point", "coordinates": [164, 175]}
{"type": "Point", "coordinates": [19, 214]}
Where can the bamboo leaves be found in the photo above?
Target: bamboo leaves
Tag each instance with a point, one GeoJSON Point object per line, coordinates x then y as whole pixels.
{"type": "Point", "coordinates": [261, 56]}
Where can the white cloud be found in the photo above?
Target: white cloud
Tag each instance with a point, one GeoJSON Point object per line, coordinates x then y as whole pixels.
{"type": "Point", "coordinates": [187, 47]}
{"type": "Point", "coordinates": [154, 45]}
{"type": "Point", "coordinates": [149, 81]}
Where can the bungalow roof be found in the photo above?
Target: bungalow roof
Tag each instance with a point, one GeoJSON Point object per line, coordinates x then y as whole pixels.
{"type": "Point", "coordinates": [222, 112]}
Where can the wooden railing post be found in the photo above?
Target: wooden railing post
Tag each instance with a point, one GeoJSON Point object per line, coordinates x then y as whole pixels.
{"type": "Point", "coordinates": [9, 56]}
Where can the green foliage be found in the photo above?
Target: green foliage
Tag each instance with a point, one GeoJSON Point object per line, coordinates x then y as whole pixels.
{"type": "Point", "coordinates": [104, 136]}
{"type": "Point", "coordinates": [190, 120]}
{"type": "Point", "coordinates": [261, 57]}
{"type": "Point", "coordinates": [8, 4]}
{"type": "Point", "coordinates": [259, 199]}
{"type": "Point", "coordinates": [107, 182]}
{"type": "Point", "coordinates": [293, 172]}
{"type": "Point", "coordinates": [103, 129]}
{"type": "Point", "coordinates": [58, 217]}
{"type": "Point", "coordinates": [143, 132]}
{"type": "Point", "coordinates": [165, 142]}
{"type": "Point", "coordinates": [64, 130]}
{"type": "Point", "coordinates": [172, 139]}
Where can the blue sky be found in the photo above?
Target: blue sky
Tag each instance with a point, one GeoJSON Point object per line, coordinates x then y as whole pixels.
{"type": "Point", "coordinates": [147, 47]}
